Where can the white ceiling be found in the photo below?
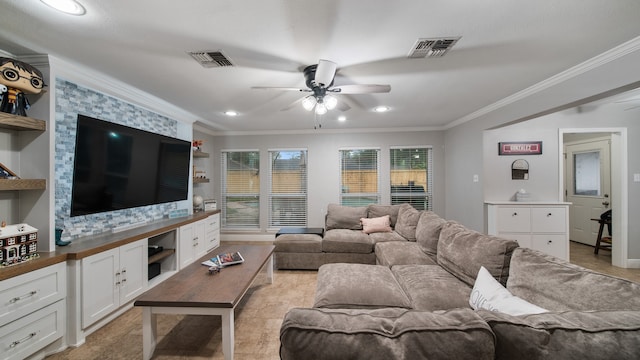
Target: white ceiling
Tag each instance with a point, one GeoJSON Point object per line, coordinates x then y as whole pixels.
{"type": "Point", "coordinates": [506, 46]}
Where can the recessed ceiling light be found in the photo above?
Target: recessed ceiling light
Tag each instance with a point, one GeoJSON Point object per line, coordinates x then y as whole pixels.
{"type": "Point", "coordinates": [66, 6]}
{"type": "Point", "coordinates": [381, 108]}
{"type": "Point", "coordinates": [342, 118]}
{"type": "Point", "coordinates": [230, 113]}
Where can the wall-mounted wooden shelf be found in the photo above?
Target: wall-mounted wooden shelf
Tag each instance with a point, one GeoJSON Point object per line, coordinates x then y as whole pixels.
{"type": "Point", "coordinates": [200, 180]}
{"type": "Point", "coordinates": [21, 123]}
{"type": "Point", "coordinates": [23, 184]}
{"type": "Point", "coordinates": [200, 154]}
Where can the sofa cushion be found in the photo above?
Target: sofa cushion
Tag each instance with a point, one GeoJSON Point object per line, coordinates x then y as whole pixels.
{"type": "Point", "coordinates": [359, 286]}
{"type": "Point", "coordinates": [489, 294]}
{"type": "Point", "coordinates": [566, 335]}
{"type": "Point", "coordinates": [462, 252]}
{"type": "Point", "coordinates": [401, 253]}
{"type": "Point", "coordinates": [383, 334]}
{"type": "Point", "coordinates": [344, 217]}
{"type": "Point", "coordinates": [430, 287]}
{"type": "Point", "coordinates": [386, 237]}
{"type": "Point", "coordinates": [428, 232]}
{"type": "Point", "coordinates": [558, 285]}
{"type": "Point", "coordinates": [408, 218]}
{"type": "Point", "coordinates": [301, 243]}
{"type": "Point", "coordinates": [375, 225]}
{"type": "Point", "coordinates": [375, 210]}
{"type": "Point", "coordinates": [346, 241]}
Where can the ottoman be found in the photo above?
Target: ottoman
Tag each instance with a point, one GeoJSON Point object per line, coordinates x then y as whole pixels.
{"type": "Point", "coordinates": [298, 251]}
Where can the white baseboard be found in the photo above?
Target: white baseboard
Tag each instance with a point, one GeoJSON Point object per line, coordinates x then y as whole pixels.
{"type": "Point", "coordinates": [633, 263]}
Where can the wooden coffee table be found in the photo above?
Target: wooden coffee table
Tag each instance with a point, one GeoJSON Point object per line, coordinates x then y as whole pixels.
{"type": "Point", "coordinates": [193, 291]}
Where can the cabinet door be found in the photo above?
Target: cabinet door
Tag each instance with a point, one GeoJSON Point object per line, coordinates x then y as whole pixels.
{"type": "Point", "coordinates": [133, 270]}
{"type": "Point", "coordinates": [213, 232]}
{"type": "Point", "coordinates": [199, 238]}
{"type": "Point", "coordinates": [514, 219]}
{"type": "Point", "coordinates": [186, 250]}
{"type": "Point", "coordinates": [100, 282]}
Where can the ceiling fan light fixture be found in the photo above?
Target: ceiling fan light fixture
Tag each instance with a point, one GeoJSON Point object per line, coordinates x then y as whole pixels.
{"type": "Point", "coordinates": [330, 102]}
{"type": "Point", "coordinates": [308, 103]}
{"type": "Point", "coordinates": [321, 109]}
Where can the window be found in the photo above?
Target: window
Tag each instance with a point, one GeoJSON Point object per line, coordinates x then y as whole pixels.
{"type": "Point", "coordinates": [586, 173]}
{"type": "Point", "coordinates": [411, 177]}
{"type": "Point", "coordinates": [359, 177]}
{"type": "Point", "coordinates": [240, 189]}
{"type": "Point", "coordinates": [288, 188]}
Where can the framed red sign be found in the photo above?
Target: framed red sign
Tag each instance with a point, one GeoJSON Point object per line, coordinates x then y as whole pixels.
{"type": "Point", "coordinates": [520, 148]}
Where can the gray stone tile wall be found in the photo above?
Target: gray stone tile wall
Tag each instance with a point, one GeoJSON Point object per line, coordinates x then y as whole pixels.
{"type": "Point", "coordinates": [71, 100]}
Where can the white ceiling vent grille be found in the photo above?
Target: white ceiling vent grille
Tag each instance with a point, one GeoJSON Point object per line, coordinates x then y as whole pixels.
{"type": "Point", "coordinates": [432, 47]}
{"type": "Point", "coordinates": [211, 59]}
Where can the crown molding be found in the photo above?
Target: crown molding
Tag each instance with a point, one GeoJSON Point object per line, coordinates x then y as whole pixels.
{"type": "Point", "coordinates": [616, 53]}
{"type": "Point", "coordinates": [317, 131]}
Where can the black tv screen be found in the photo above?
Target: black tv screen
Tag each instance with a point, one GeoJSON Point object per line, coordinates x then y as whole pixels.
{"type": "Point", "coordinates": [119, 167]}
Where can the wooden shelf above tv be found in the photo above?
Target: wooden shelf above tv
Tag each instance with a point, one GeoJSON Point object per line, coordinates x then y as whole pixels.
{"type": "Point", "coordinates": [200, 180]}
{"type": "Point", "coordinates": [23, 184]}
{"type": "Point", "coordinates": [21, 123]}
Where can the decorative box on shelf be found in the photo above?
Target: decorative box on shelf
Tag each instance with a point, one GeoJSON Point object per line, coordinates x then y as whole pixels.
{"type": "Point", "coordinates": [18, 243]}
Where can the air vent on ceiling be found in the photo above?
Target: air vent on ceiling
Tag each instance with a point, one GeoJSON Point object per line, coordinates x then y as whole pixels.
{"type": "Point", "coordinates": [432, 47]}
{"type": "Point", "coordinates": [211, 59]}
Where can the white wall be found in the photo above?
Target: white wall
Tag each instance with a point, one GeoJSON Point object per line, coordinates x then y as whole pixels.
{"type": "Point", "coordinates": [324, 164]}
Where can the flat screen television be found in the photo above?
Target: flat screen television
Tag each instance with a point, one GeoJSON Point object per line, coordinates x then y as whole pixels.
{"type": "Point", "coordinates": [118, 167]}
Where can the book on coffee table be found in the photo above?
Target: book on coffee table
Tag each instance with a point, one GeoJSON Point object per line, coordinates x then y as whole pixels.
{"type": "Point", "coordinates": [230, 258]}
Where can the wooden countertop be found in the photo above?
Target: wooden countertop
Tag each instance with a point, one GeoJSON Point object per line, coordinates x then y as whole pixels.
{"type": "Point", "coordinates": [81, 248]}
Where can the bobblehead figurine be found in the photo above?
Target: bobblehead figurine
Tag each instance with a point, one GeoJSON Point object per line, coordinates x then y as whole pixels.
{"type": "Point", "coordinates": [18, 78]}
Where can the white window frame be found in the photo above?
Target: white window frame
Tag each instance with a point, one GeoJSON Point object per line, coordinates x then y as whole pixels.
{"type": "Point", "coordinates": [224, 219]}
{"type": "Point", "coordinates": [428, 197]}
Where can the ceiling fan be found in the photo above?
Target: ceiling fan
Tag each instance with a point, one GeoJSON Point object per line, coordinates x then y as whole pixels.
{"type": "Point", "coordinates": [319, 80]}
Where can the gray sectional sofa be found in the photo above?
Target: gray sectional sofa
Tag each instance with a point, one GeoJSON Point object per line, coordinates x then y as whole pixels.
{"type": "Point", "coordinates": [444, 291]}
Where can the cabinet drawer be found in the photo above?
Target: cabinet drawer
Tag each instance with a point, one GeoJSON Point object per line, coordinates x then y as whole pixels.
{"type": "Point", "coordinates": [513, 219]}
{"type": "Point", "coordinates": [213, 222]}
{"type": "Point", "coordinates": [555, 245]}
{"type": "Point", "coordinates": [213, 240]}
{"type": "Point", "coordinates": [552, 220]}
{"type": "Point", "coordinates": [26, 293]}
{"type": "Point", "coordinates": [33, 332]}
{"type": "Point", "coordinates": [524, 240]}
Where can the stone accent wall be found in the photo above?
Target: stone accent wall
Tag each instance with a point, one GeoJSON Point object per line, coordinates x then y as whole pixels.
{"type": "Point", "coordinates": [71, 100]}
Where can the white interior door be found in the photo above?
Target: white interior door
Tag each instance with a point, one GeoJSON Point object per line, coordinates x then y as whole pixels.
{"type": "Point", "coordinates": [587, 187]}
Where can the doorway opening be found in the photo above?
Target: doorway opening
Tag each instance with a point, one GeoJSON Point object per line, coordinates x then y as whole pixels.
{"type": "Point", "coordinates": [591, 147]}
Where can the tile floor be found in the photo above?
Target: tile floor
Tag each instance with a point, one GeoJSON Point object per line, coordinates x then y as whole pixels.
{"type": "Point", "coordinates": [258, 320]}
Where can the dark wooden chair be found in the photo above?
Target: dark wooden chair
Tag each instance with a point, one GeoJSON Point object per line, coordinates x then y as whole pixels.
{"type": "Point", "coordinates": [602, 241]}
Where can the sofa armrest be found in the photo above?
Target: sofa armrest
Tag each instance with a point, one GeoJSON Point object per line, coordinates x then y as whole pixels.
{"type": "Point", "coordinates": [389, 333]}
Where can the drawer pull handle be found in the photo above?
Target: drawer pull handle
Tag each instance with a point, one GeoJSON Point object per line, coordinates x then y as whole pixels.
{"type": "Point", "coordinates": [549, 214]}
{"type": "Point", "coordinates": [549, 242]}
{"type": "Point", "coordinates": [514, 214]}
{"type": "Point", "coordinates": [25, 296]}
{"type": "Point", "coordinates": [18, 342]}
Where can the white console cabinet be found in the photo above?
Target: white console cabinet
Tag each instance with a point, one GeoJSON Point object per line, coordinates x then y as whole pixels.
{"type": "Point", "coordinates": [541, 226]}
{"type": "Point", "coordinates": [212, 238]}
{"type": "Point", "coordinates": [192, 242]}
{"type": "Point", "coordinates": [111, 279]}
{"type": "Point", "coordinates": [33, 311]}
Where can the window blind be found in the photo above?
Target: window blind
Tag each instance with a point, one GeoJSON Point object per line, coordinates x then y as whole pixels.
{"type": "Point", "coordinates": [411, 177]}
{"type": "Point", "coordinates": [359, 177]}
{"type": "Point", "coordinates": [288, 188]}
{"type": "Point", "coordinates": [240, 181]}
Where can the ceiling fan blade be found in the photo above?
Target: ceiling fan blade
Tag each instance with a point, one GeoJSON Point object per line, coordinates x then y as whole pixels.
{"type": "Point", "coordinates": [279, 88]}
{"type": "Point", "coordinates": [361, 89]}
{"type": "Point", "coordinates": [292, 105]}
{"type": "Point", "coordinates": [325, 72]}
{"type": "Point", "coordinates": [343, 106]}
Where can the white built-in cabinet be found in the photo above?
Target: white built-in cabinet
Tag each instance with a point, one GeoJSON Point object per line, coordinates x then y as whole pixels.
{"type": "Point", "coordinates": [33, 312]}
{"type": "Point", "coordinates": [541, 226]}
{"type": "Point", "coordinates": [111, 279]}
{"type": "Point", "coordinates": [198, 238]}
{"type": "Point", "coordinates": [212, 237]}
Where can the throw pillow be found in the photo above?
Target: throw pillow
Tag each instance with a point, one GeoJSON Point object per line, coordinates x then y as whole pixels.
{"type": "Point", "coordinates": [373, 225]}
{"type": "Point", "coordinates": [489, 294]}
{"type": "Point", "coordinates": [408, 218]}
